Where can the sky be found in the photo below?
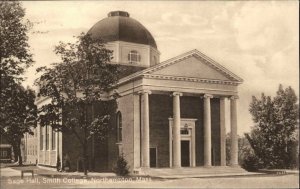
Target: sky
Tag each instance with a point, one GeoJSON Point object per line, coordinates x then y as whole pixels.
{"type": "Point", "coordinates": [257, 40]}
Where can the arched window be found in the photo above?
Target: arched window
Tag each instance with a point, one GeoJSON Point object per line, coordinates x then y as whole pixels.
{"type": "Point", "coordinates": [134, 57]}
{"type": "Point", "coordinates": [119, 127]}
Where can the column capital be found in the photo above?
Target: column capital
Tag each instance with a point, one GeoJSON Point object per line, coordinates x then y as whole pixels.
{"type": "Point", "coordinates": [208, 96]}
{"type": "Point", "coordinates": [176, 93]}
{"type": "Point", "coordinates": [234, 97]}
{"type": "Point", "coordinates": [223, 97]}
{"type": "Point", "coordinates": [145, 91]}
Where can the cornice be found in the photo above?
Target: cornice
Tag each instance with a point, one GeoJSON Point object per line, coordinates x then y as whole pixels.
{"type": "Point", "coordinates": [190, 79]}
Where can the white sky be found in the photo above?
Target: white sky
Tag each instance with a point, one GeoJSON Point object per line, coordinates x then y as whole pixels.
{"type": "Point", "coordinates": [256, 40]}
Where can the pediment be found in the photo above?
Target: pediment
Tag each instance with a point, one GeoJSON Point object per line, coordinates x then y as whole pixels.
{"type": "Point", "coordinates": [194, 64]}
{"type": "Point", "coordinates": [192, 67]}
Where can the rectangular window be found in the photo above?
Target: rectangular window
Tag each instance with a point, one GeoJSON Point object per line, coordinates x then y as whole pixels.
{"type": "Point", "coordinates": [4, 154]}
{"type": "Point", "coordinates": [41, 138]}
{"type": "Point", "coordinates": [184, 131]}
{"type": "Point", "coordinates": [47, 138]}
{"type": "Point", "coordinates": [53, 139]}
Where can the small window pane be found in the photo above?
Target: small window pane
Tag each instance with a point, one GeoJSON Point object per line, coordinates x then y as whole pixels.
{"type": "Point", "coordinates": [184, 131]}
{"type": "Point", "coordinates": [134, 57]}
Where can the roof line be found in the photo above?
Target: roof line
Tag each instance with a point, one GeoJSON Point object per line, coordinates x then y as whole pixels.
{"type": "Point", "coordinates": [177, 58]}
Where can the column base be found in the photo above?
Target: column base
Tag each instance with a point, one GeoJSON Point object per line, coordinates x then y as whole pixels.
{"type": "Point", "coordinates": [234, 165]}
{"type": "Point", "coordinates": [176, 167]}
{"type": "Point", "coordinates": [207, 166]}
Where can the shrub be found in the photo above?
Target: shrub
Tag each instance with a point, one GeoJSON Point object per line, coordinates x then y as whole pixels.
{"type": "Point", "coordinates": [58, 164]}
{"type": "Point", "coordinates": [121, 168]}
{"type": "Point", "coordinates": [251, 162]}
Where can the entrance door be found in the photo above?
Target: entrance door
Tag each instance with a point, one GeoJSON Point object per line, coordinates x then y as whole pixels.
{"type": "Point", "coordinates": [152, 157]}
{"type": "Point", "coordinates": [185, 153]}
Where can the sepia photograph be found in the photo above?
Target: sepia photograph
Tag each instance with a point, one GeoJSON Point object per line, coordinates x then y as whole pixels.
{"type": "Point", "coordinates": [149, 94]}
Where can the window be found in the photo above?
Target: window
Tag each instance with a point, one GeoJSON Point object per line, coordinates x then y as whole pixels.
{"type": "Point", "coordinates": [53, 139]}
{"type": "Point", "coordinates": [4, 153]}
{"type": "Point", "coordinates": [42, 138]}
{"type": "Point", "coordinates": [47, 138]}
{"type": "Point", "coordinates": [184, 131]}
{"type": "Point", "coordinates": [134, 57]}
{"type": "Point", "coordinates": [119, 127]}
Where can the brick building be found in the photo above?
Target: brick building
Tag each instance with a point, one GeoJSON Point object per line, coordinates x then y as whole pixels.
{"type": "Point", "coordinates": [170, 114]}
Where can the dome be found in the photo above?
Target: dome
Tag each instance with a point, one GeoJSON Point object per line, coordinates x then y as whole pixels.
{"type": "Point", "coordinates": [118, 26]}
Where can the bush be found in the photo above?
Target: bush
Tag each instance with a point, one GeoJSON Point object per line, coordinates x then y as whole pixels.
{"type": "Point", "coordinates": [251, 162]}
{"type": "Point", "coordinates": [121, 167]}
{"type": "Point", "coordinates": [58, 164]}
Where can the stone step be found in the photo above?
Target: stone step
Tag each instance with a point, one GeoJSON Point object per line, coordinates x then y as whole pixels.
{"type": "Point", "coordinates": [190, 171]}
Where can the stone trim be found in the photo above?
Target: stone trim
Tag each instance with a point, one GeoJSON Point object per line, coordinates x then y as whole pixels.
{"type": "Point", "coordinates": [191, 79]}
{"type": "Point", "coordinates": [208, 96]}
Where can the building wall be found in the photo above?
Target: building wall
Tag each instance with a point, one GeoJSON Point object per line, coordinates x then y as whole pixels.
{"type": "Point", "coordinates": [125, 106]}
{"type": "Point", "coordinates": [149, 55]}
{"type": "Point", "coordinates": [5, 150]}
{"type": "Point", "coordinates": [161, 108]}
{"type": "Point", "coordinates": [46, 155]}
{"type": "Point", "coordinates": [31, 147]}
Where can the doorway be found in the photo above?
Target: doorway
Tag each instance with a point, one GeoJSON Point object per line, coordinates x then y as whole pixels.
{"type": "Point", "coordinates": [153, 159]}
{"type": "Point", "coordinates": [185, 153]}
{"type": "Point", "coordinates": [187, 141]}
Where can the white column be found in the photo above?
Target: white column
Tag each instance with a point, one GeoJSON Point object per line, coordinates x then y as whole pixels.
{"type": "Point", "coordinates": [137, 131]}
{"type": "Point", "coordinates": [145, 129]}
{"type": "Point", "coordinates": [207, 130]}
{"type": "Point", "coordinates": [222, 131]}
{"type": "Point", "coordinates": [60, 142]}
{"type": "Point", "coordinates": [38, 142]}
{"type": "Point", "coordinates": [50, 143]}
{"type": "Point", "coordinates": [56, 146]}
{"type": "Point", "coordinates": [44, 144]}
{"type": "Point", "coordinates": [176, 130]}
{"type": "Point", "coordinates": [234, 137]}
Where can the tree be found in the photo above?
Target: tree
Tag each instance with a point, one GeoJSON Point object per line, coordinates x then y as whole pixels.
{"type": "Point", "coordinates": [75, 85]}
{"type": "Point", "coordinates": [276, 121]}
{"type": "Point", "coordinates": [14, 49]}
{"type": "Point", "coordinates": [243, 147]}
{"type": "Point", "coordinates": [16, 104]}
{"type": "Point", "coordinates": [19, 114]}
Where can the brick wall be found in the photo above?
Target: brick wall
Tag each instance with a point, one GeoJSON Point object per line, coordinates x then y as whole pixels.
{"type": "Point", "coordinates": [125, 106]}
{"type": "Point", "coordinates": [161, 108]}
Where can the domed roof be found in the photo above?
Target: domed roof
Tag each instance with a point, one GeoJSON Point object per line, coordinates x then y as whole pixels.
{"type": "Point", "coordinates": [118, 26]}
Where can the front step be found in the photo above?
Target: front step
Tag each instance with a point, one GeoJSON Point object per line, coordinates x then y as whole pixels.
{"type": "Point", "coordinates": [191, 172]}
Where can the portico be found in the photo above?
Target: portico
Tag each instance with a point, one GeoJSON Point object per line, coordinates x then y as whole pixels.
{"type": "Point", "coordinates": [180, 119]}
{"type": "Point", "coordinates": [177, 132]}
